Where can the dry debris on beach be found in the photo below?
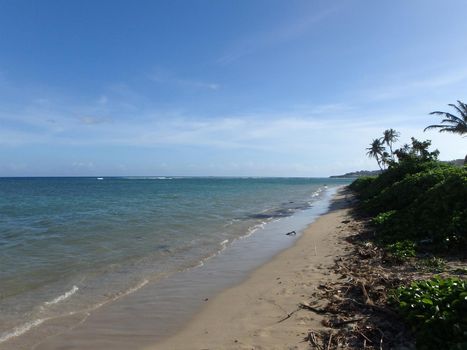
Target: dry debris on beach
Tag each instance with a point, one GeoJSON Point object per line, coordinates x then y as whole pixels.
{"type": "Point", "coordinates": [357, 315]}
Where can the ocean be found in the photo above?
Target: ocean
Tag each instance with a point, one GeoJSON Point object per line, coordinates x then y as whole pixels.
{"type": "Point", "coordinates": [69, 246]}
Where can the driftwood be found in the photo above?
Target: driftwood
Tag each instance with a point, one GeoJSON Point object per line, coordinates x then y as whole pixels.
{"type": "Point", "coordinates": [313, 340]}
{"type": "Point", "coordinates": [286, 317]}
{"type": "Point", "coordinates": [343, 323]}
{"type": "Point", "coordinates": [307, 306]}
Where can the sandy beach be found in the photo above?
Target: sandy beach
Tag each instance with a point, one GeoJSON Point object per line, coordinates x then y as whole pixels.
{"type": "Point", "coordinates": [209, 175]}
{"type": "Point", "coordinates": [262, 312]}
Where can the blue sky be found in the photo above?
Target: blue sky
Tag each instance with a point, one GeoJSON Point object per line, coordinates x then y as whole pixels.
{"type": "Point", "coordinates": [261, 88]}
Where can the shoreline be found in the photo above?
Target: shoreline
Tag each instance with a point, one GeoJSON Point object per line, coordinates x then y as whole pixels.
{"type": "Point", "coordinates": [261, 311]}
{"type": "Point", "coordinates": [161, 309]}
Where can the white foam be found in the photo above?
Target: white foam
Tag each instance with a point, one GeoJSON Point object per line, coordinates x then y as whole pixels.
{"type": "Point", "coordinates": [114, 298]}
{"type": "Point", "coordinates": [135, 288]}
{"type": "Point", "coordinates": [223, 245]}
{"type": "Point", "coordinates": [253, 229]}
{"type": "Point", "coordinates": [17, 331]}
{"type": "Point", "coordinates": [231, 222]}
{"type": "Point", "coordinates": [63, 296]}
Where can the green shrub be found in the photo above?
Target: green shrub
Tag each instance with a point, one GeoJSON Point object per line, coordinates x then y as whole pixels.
{"type": "Point", "coordinates": [396, 173]}
{"type": "Point", "coordinates": [433, 264]}
{"type": "Point", "coordinates": [436, 310]}
{"type": "Point", "coordinates": [440, 214]}
{"type": "Point", "coordinates": [419, 201]}
{"type": "Point", "coordinates": [400, 194]}
{"type": "Point", "coordinates": [361, 183]}
{"type": "Point", "coordinates": [383, 218]}
{"type": "Point", "coordinates": [401, 251]}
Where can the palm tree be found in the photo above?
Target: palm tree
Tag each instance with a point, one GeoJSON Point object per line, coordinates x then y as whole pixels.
{"type": "Point", "coordinates": [390, 136]}
{"type": "Point", "coordinates": [386, 159]}
{"type": "Point", "coordinates": [456, 125]}
{"type": "Point", "coordinates": [376, 151]}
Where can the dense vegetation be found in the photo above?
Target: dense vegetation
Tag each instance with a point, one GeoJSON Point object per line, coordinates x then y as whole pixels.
{"type": "Point", "coordinates": [422, 201]}
{"type": "Point", "coordinates": [418, 208]}
{"type": "Point", "coordinates": [437, 311]}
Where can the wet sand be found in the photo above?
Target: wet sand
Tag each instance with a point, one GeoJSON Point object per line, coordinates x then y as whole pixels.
{"type": "Point", "coordinates": [157, 312]}
{"type": "Point", "coordinates": [233, 307]}
{"type": "Point", "coordinates": [262, 312]}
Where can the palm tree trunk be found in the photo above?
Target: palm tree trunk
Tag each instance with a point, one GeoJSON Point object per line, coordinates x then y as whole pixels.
{"type": "Point", "coordinates": [392, 154]}
{"type": "Point", "coordinates": [379, 163]}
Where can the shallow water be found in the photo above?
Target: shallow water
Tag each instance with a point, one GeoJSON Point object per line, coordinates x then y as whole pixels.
{"type": "Point", "coordinates": [70, 248]}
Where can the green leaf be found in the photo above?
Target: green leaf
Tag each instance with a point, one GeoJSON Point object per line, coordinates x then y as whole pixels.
{"type": "Point", "coordinates": [427, 301]}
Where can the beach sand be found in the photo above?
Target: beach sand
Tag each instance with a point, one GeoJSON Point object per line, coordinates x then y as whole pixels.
{"type": "Point", "coordinates": [259, 312]}
{"type": "Point", "coordinates": [262, 312]}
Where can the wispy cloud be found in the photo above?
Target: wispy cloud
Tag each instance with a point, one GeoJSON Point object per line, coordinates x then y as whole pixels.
{"type": "Point", "coordinates": [296, 128]}
{"type": "Point", "coordinates": [103, 100]}
{"type": "Point", "coordinates": [303, 138]}
{"type": "Point", "coordinates": [90, 120]}
{"type": "Point", "coordinates": [166, 77]}
{"type": "Point", "coordinates": [315, 140]}
{"type": "Point", "coordinates": [81, 164]}
{"type": "Point", "coordinates": [409, 86]}
{"type": "Point", "coordinates": [284, 32]}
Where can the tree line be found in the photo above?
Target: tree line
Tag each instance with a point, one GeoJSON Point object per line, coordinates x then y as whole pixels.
{"type": "Point", "coordinates": [456, 124]}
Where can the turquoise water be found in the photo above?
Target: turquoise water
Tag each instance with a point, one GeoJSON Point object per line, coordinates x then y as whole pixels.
{"type": "Point", "coordinates": [69, 244]}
